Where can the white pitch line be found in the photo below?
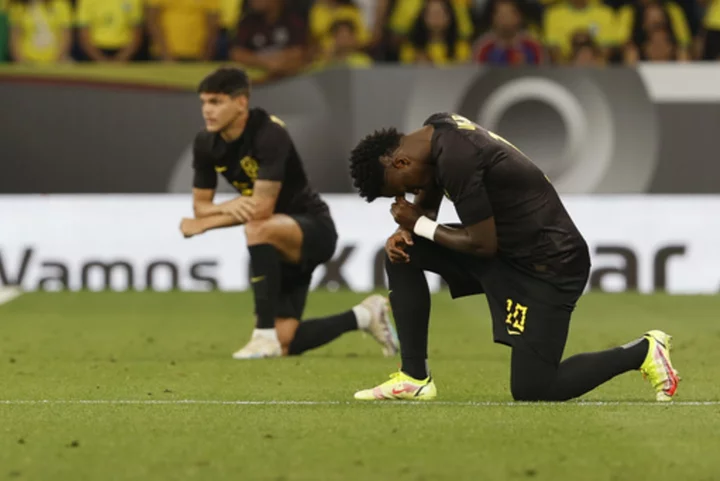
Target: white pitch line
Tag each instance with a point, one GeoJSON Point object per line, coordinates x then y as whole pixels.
{"type": "Point", "coordinates": [202, 402]}
{"type": "Point", "coordinates": [8, 294]}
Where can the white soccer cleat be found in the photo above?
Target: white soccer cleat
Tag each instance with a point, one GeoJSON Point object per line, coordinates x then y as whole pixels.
{"type": "Point", "coordinates": [381, 326]}
{"type": "Point", "coordinates": [259, 347]}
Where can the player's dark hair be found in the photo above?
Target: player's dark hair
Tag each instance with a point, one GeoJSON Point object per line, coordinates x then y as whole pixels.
{"type": "Point", "coordinates": [230, 81]}
{"type": "Point", "coordinates": [365, 168]}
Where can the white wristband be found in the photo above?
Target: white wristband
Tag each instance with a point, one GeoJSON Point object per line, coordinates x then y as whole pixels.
{"type": "Point", "coordinates": [425, 227]}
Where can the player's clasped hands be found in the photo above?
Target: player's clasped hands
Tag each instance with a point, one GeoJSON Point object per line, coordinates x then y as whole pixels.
{"type": "Point", "coordinates": [405, 213]}
{"type": "Point", "coordinates": [242, 208]}
{"type": "Point", "coordinates": [396, 244]}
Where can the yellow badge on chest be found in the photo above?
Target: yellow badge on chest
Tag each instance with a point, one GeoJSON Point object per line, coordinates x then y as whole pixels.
{"type": "Point", "coordinates": [250, 167]}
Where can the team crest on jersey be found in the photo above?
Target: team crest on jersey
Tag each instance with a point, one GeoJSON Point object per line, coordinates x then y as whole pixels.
{"type": "Point", "coordinates": [250, 167]}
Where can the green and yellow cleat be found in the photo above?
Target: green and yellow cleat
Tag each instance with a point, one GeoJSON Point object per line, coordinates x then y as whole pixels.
{"type": "Point", "coordinates": [400, 387]}
{"type": "Point", "coordinates": [657, 367]}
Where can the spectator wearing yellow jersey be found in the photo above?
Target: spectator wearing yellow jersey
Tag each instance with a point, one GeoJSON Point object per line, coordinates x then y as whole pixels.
{"type": "Point", "coordinates": [41, 31]}
{"type": "Point", "coordinates": [324, 14]}
{"type": "Point", "coordinates": [632, 21]}
{"type": "Point", "coordinates": [184, 30]}
{"type": "Point", "coordinates": [346, 46]}
{"type": "Point", "coordinates": [435, 37]}
{"type": "Point", "coordinates": [563, 20]}
{"type": "Point", "coordinates": [110, 30]}
{"type": "Point", "coordinates": [710, 36]}
{"type": "Point", "coordinates": [405, 14]}
{"type": "Point", "coordinates": [654, 32]}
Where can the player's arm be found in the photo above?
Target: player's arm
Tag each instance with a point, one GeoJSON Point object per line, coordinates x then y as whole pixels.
{"type": "Point", "coordinates": [478, 238]}
{"type": "Point", "coordinates": [429, 201]}
{"type": "Point", "coordinates": [265, 194]}
{"type": "Point", "coordinates": [272, 148]}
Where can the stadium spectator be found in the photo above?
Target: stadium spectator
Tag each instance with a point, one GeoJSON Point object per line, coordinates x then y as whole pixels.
{"type": "Point", "coordinates": [41, 31]}
{"type": "Point", "coordinates": [230, 13]}
{"type": "Point", "coordinates": [435, 38]}
{"type": "Point", "coordinates": [184, 30]}
{"type": "Point", "coordinates": [585, 52]}
{"type": "Point", "coordinates": [271, 38]}
{"type": "Point", "coordinates": [4, 32]}
{"type": "Point", "coordinates": [710, 37]}
{"type": "Point", "coordinates": [659, 45]}
{"type": "Point", "coordinates": [325, 13]}
{"type": "Point", "coordinates": [636, 20]}
{"type": "Point", "coordinates": [405, 14]}
{"type": "Point", "coordinates": [564, 19]}
{"type": "Point", "coordinates": [109, 30]}
{"type": "Point", "coordinates": [507, 43]}
{"type": "Point", "coordinates": [653, 19]}
{"type": "Point", "coordinates": [346, 46]}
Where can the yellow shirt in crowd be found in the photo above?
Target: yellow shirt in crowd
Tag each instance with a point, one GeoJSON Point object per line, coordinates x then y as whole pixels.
{"type": "Point", "coordinates": [405, 14]}
{"type": "Point", "coordinates": [111, 23]}
{"type": "Point", "coordinates": [437, 52]}
{"type": "Point", "coordinates": [184, 24]}
{"type": "Point", "coordinates": [712, 16]}
{"type": "Point", "coordinates": [562, 20]}
{"type": "Point", "coordinates": [322, 17]}
{"type": "Point", "coordinates": [41, 28]}
{"type": "Point", "coordinates": [230, 13]}
{"type": "Point", "coordinates": [626, 19]}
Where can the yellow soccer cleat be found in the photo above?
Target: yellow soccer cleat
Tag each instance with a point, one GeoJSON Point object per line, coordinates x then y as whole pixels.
{"type": "Point", "coordinates": [400, 386]}
{"type": "Point", "coordinates": [657, 367]}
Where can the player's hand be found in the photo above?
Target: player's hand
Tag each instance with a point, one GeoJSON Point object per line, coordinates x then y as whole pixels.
{"type": "Point", "coordinates": [405, 213]}
{"type": "Point", "coordinates": [396, 244]}
{"type": "Point", "coordinates": [191, 227]}
{"type": "Point", "coordinates": [242, 208]}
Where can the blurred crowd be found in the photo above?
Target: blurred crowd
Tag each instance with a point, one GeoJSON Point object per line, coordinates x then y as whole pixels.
{"type": "Point", "coordinates": [284, 37]}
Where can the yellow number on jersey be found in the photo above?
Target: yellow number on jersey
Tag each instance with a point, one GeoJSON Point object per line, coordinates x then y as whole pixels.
{"type": "Point", "coordinates": [516, 316]}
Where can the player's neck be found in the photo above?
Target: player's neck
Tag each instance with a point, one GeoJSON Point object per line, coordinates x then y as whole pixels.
{"type": "Point", "coordinates": [235, 129]}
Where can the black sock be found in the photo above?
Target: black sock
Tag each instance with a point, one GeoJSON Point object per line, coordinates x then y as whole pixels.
{"type": "Point", "coordinates": [410, 300]}
{"type": "Point", "coordinates": [318, 332]}
{"type": "Point", "coordinates": [265, 280]}
{"type": "Point", "coordinates": [536, 380]}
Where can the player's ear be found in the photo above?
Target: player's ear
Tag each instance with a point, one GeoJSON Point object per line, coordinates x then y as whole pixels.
{"type": "Point", "coordinates": [242, 101]}
{"type": "Point", "coordinates": [400, 161]}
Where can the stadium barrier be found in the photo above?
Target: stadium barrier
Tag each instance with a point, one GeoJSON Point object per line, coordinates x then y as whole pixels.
{"type": "Point", "coordinates": [647, 130]}
{"type": "Point", "coordinates": [121, 242]}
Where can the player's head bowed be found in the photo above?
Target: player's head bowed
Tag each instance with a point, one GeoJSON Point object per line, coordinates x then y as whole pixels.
{"type": "Point", "coordinates": [366, 165]}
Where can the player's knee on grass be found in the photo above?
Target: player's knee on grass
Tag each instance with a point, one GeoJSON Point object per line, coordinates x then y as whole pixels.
{"type": "Point", "coordinates": [528, 391]}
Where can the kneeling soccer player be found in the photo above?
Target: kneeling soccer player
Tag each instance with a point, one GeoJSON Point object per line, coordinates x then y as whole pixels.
{"type": "Point", "coordinates": [288, 227]}
{"type": "Point", "coordinates": [516, 244]}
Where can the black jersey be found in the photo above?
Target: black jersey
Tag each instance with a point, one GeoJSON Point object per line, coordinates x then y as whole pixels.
{"type": "Point", "coordinates": [264, 151]}
{"type": "Point", "coordinates": [486, 176]}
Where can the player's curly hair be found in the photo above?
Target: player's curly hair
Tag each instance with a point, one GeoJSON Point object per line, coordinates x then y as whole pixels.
{"type": "Point", "coordinates": [365, 168]}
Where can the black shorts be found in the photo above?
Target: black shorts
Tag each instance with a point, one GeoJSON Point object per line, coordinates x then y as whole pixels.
{"type": "Point", "coordinates": [524, 309]}
{"type": "Point", "coordinates": [318, 247]}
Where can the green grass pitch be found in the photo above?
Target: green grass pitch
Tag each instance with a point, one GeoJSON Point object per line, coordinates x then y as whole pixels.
{"type": "Point", "coordinates": [136, 356]}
